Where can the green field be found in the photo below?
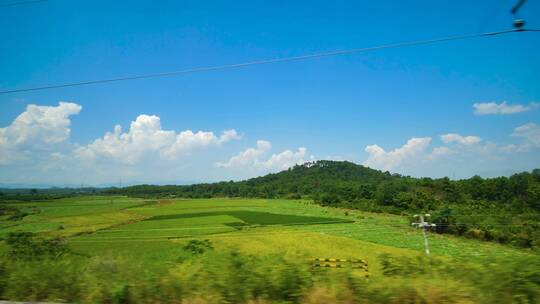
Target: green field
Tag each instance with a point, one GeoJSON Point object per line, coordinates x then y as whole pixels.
{"type": "Point", "coordinates": [90, 222]}
{"type": "Point", "coordinates": [153, 233]}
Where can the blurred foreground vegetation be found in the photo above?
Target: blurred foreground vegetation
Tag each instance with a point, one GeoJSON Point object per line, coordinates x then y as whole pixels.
{"type": "Point", "coordinates": [38, 269]}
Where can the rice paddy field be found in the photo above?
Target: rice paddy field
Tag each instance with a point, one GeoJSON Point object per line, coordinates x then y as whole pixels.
{"type": "Point", "coordinates": [153, 230]}
{"type": "Point", "coordinates": [154, 233]}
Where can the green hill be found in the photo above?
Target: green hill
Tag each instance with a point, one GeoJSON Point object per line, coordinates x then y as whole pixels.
{"type": "Point", "coordinates": [502, 209]}
{"type": "Point", "coordinates": [302, 180]}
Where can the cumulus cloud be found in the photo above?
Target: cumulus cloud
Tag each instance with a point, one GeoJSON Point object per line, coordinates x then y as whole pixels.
{"type": "Point", "coordinates": [248, 157]}
{"type": "Point", "coordinates": [438, 152]}
{"type": "Point", "coordinates": [380, 159]}
{"type": "Point", "coordinates": [229, 135]}
{"type": "Point", "coordinates": [530, 132]}
{"type": "Point", "coordinates": [40, 125]}
{"type": "Point", "coordinates": [285, 159]}
{"type": "Point", "coordinates": [464, 140]}
{"type": "Point", "coordinates": [253, 158]}
{"type": "Point", "coordinates": [469, 154]}
{"type": "Point", "coordinates": [145, 136]}
{"type": "Point", "coordinates": [37, 128]}
{"type": "Point", "coordinates": [36, 147]}
{"type": "Point", "coordinates": [492, 108]}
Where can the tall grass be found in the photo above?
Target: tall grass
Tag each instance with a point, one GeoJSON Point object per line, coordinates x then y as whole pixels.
{"type": "Point", "coordinates": [205, 275]}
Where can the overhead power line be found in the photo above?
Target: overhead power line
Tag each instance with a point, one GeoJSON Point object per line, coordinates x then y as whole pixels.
{"type": "Point", "coordinates": [268, 61]}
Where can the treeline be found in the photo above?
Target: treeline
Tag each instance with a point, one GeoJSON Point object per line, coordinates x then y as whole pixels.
{"type": "Point", "coordinates": [502, 209]}
{"type": "Point", "coordinates": [34, 194]}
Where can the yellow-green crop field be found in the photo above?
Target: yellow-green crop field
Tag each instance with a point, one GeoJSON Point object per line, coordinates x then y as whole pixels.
{"type": "Point", "coordinates": [153, 234]}
{"type": "Point", "coordinates": [153, 229]}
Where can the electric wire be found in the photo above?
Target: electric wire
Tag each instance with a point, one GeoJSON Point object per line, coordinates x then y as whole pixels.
{"type": "Point", "coordinates": [267, 61]}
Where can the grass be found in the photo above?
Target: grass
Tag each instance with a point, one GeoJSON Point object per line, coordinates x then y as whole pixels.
{"type": "Point", "coordinates": [255, 218]}
{"type": "Point", "coordinates": [154, 231]}
{"type": "Point", "coordinates": [72, 216]}
{"type": "Point", "coordinates": [148, 237]}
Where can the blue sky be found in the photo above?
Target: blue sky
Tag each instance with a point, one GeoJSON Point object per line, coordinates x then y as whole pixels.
{"type": "Point", "coordinates": [334, 107]}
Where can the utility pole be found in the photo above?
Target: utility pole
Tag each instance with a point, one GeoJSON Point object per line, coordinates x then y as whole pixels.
{"type": "Point", "coordinates": [424, 225]}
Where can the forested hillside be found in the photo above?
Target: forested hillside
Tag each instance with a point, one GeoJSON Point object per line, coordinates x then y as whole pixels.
{"type": "Point", "coordinates": [503, 209]}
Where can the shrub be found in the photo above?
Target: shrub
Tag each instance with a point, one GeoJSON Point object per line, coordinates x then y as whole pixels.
{"type": "Point", "coordinates": [198, 246]}
{"type": "Point", "coordinates": [27, 246]}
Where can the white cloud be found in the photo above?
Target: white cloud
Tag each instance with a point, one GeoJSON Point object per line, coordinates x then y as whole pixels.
{"type": "Point", "coordinates": [253, 158]}
{"type": "Point", "coordinates": [248, 157]}
{"type": "Point", "coordinates": [439, 151]}
{"type": "Point", "coordinates": [187, 141]}
{"type": "Point", "coordinates": [530, 132]}
{"type": "Point", "coordinates": [229, 135]}
{"type": "Point", "coordinates": [464, 155]}
{"type": "Point", "coordinates": [36, 148]}
{"type": "Point", "coordinates": [380, 159]}
{"type": "Point", "coordinates": [492, 108]}
{"type": "Point", "coordinates": [40, 125]}
{"type": "Point", "coordinates": [37, 128]}
{"type": "Point", "coordinates": [464, 140]}
{"type": "Point", "coordinates": [285, 159]}
{"type": "Point", "coordinates": [145, 136]}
